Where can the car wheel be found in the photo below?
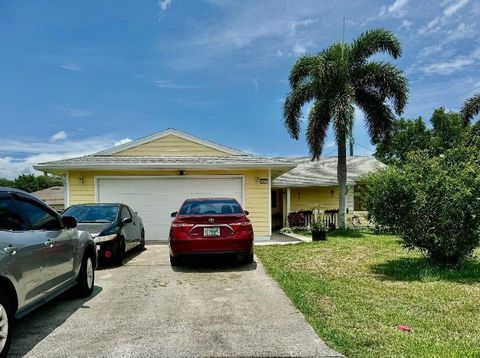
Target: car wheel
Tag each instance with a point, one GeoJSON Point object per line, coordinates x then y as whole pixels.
{"type": "Point", "coordinates": [247, 259]}
{"type": "Point", "coordinates": [142, 240]}
{"type": "Point", "coordinates": [6, 325]}
{"type": "Point", "coordinates": [86, 277]}
{"type": "Point", "coordinates": [174, 261]}
{"type": "Point", "coordinates": [119, 252]}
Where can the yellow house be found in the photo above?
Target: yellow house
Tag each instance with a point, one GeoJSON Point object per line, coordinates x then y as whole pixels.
{"type": "Point", "coordinates": [313, 185]}
{"type": "Point", "coordinates": [155, 174]}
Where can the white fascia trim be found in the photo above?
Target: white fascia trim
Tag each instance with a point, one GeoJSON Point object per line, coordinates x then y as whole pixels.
{"type": "Point", "coordinates": [166, 166]}
{"type": "Point", "coordinates": [165, 133]}
{"type": "Point", "coordinates": [307, 185]}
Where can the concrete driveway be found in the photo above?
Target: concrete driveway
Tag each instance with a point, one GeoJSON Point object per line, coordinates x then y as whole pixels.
{"type": "Point", "coordinates": [147, 309]}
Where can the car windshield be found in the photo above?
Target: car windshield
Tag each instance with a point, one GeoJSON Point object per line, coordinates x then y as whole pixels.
{"type": "Point", "coordinates": [217, 206]}
{"type": "Point", "coordinates": [90, 213]}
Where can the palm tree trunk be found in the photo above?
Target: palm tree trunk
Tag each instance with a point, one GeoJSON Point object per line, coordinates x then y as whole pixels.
{"type": "Point", "coordinates": [342, 183]}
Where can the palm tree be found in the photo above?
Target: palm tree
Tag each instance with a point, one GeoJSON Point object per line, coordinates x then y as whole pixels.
{"type": "Point", "coordinates": [470, 108]}
{"type": "Point", "coordinates": [335, 80]}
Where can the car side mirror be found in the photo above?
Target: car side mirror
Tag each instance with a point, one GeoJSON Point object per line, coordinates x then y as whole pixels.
{"type": "Point", "coordinates": [246, 212]}
{"type": "Point", "coordinates": [174, 214]}
{"type": "Point", "coordinates": [69, 222]}
{"type": "Point", "coordinates": [126, 221]}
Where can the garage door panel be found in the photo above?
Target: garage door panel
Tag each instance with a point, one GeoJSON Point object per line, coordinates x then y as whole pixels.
{"type": "Point", "coordinates": [155, 198]}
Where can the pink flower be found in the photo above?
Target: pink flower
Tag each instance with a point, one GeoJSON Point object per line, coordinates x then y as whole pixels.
{"type": "Point", "coordinates": [403, 328]}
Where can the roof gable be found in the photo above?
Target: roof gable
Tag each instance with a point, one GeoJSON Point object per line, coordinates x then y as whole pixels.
{"type": "Point", "coordinates": [171, 142]}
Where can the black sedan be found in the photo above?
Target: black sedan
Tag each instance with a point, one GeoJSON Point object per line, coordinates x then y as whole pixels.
{"type": "Point", "coordinates": [116, 228]}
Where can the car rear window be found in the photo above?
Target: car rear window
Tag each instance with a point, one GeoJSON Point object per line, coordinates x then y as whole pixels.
{"type": "Point", "coordinates": [220, 206]}
{"type": "Point", "coordinates": [91, 213]}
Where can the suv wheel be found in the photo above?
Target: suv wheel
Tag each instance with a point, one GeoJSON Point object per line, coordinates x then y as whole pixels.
{"type": "Point", "coordinates": [6, 325]}
{"type": "Point", "coordinates": [86, 277]}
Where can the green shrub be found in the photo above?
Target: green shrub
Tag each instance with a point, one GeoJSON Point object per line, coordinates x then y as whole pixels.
{"type": "Point", "coordinates": [433, 203]}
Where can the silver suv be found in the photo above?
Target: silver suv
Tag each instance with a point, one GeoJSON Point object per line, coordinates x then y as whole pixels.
{"type": "Point", "coordinates": [41, 256]}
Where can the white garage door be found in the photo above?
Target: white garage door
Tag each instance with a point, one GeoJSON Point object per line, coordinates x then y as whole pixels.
{"type": "Point", "coordinates": [155, 198]}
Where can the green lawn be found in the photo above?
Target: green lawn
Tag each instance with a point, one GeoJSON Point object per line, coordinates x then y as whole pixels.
{"type": "Point", "coordinates": [355, 291]}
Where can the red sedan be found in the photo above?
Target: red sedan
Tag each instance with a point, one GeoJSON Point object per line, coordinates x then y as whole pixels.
{"type": "Point", "coordinates": [211, 226]}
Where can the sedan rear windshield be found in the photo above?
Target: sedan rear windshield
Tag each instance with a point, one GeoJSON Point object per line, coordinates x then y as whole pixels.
{"type": "Point", "coordinates": [96, 214]}
{"type": "Point", "coordinates": [220, 206]}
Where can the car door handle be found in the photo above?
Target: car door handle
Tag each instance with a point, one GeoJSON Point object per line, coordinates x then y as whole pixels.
{"type": "Point", "coordinates": [49, 243]}
{"type": "Point", "coordinates": [10, 249]}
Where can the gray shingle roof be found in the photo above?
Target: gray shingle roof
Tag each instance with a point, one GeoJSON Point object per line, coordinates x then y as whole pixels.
{"type": "Point", "coordinates": [165, 162]}
{"type": "Point", "coordinates": [324, 171]}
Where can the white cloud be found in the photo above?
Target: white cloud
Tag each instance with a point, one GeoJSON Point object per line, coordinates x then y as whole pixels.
{"type": "Point", "coordinates": [71, 67]}
{"type": "Point", "coordinates": [164, 4]}
{"type": "Point", "coordinates": [407, 24]}
{"type": "Point", "coordinates": [255, 84]}
{"type": "Point", "coordinates": [295, 24]}
{"type": "Point", "coordinates": [58, 136]}
{"type": "Point", "coordinates": [461, 31]}
{"type": "Point", "coordinates": [397, 9]}
{"type": "Point", "coordinates": [167, 84]}
{"type": "Point", "coordinates": [454, 7]}
{"type": "Point", "coordinates": [73, 112]}
{"type": "Point", "coordinates": [438, 23]}
{"type": "Point", "coordinates": [448, 67]}
{"type": "Point", "coordinates": [122, 141]}
{"type": "Point", "coordinates": [276, 27]}
{"type": "Point", "coordinates": [18, 156]}
{"type": "Point", "coordinates": [299, 50]}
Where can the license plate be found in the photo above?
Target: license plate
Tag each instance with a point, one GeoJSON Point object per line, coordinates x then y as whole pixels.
{"type": "Point", "coordinates": [211, 231]}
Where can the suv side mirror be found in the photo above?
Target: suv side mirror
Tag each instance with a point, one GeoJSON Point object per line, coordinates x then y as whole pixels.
{"type": "Point", "coordinates": [246, 212]}
{"type": "Point", "coordinates": [69, 222]}
{"type": "Point", "coordinates": [126, 221]}
{"type": "Point", "coordinates": [174, 214]}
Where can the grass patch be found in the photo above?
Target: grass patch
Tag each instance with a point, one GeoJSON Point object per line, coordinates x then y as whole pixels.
{"type": "Point", "coordinates": [355, 291]}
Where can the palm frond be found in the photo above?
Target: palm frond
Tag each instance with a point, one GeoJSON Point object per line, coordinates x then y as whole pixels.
{"type": "Point", "coordinates": [292, 108]}
{"type": "Point", "coordinates": [374, 41]}
{"type": "Point", "coordinates": [302, 70]}
{"type": "Point", "coordinates": [318, 122]}
{"type": "Point", "coordinates": [385, 80]}
{"type": "Point", "coordinates": [379, 117]}
{"type": "Point", "coordinates": [470, 108]}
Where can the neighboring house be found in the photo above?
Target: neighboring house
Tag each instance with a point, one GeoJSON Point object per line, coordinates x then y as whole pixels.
{"type": "Point", "coordinates": [313, 185]}
{"type": "Point", "coordinates": [54, 196]}
{"type": "Point", "coordinates": [155, 174]}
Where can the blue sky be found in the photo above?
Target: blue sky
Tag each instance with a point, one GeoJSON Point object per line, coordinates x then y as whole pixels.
{"type": "Point", "coordinates": [79, 76]}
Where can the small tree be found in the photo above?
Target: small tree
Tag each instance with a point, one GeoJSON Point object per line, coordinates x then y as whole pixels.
{"type": "Point", "coordinates": [31, 183]}
{"type": "Point", "coordinates": [433, 203]}
{"type": "Point", "coordinates": [334, 81]}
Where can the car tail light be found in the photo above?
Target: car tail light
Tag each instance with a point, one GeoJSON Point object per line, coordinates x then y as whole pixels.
{"type": "Point", "coordinates": [182, 226]}
{"type": "Point", "coordinates": [179, 230]}
{"type": "Point", "coordinates": [241, 225]}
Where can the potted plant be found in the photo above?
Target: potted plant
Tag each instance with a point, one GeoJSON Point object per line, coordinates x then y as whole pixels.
{"type": "Point", "coordinates": [319, 231]}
